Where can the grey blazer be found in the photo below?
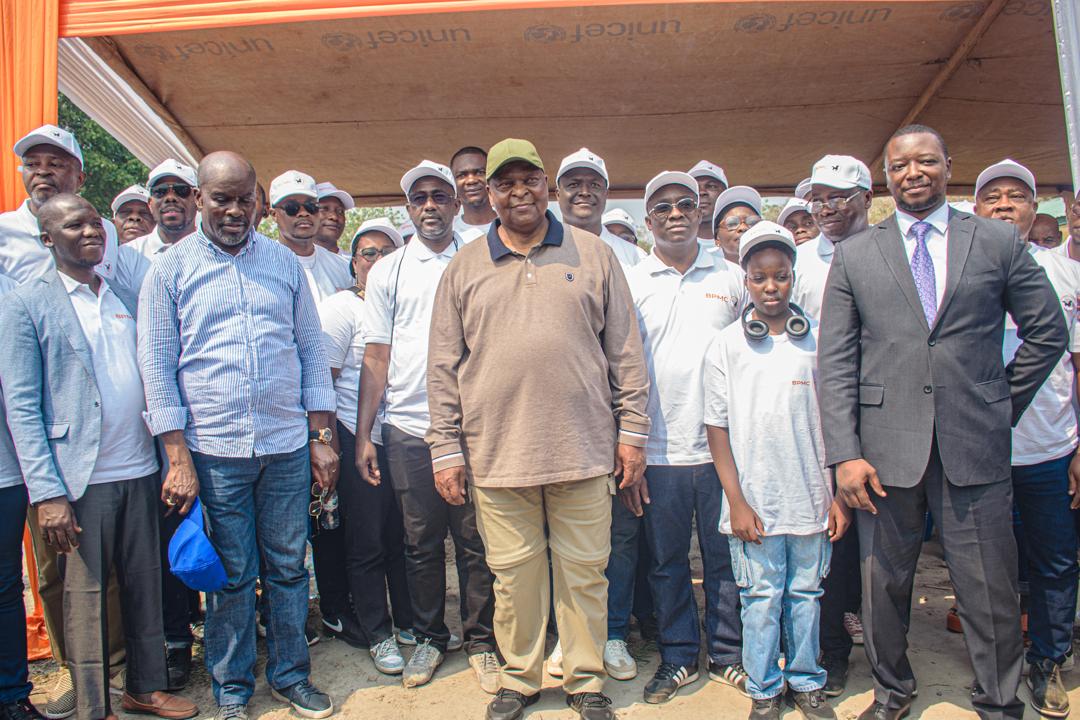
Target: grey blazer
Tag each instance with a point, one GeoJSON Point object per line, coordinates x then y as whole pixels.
{"type": "Point", "coordinates": [47, 375]}
{"type": "Point", "coordinates": [889, 383]}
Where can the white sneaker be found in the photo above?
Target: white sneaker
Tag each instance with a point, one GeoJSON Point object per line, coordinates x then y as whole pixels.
{"type": "Point", "coordinates": [387, 657]}
{"type": "Point", "coordinates": [486, 667]}
{"type": "Point", "coordinates": [618, 662]}
{"type": "Point", "coordinates": [421, 665]}
{"type": "Point", "coordinates": [554, 661]}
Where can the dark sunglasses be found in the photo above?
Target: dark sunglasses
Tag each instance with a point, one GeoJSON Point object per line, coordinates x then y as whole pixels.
{"type": "Point", "coordinates": [369, 253]}
{"type": "Point", "coordinates": [182, 191]}
{"type": "Point", "coordinates": [292, 207]}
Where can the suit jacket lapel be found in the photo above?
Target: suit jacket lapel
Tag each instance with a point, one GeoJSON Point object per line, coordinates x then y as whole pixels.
{"type": "Point", "coordinates": [959, 245]}
{"type": "Point", "coordinates": [891, 246]}
{"type": "Point", "coordinates": [64, 312]}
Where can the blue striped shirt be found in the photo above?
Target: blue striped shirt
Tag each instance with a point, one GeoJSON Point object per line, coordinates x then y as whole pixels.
{"type": "Point", "coordinates": [230, 348]}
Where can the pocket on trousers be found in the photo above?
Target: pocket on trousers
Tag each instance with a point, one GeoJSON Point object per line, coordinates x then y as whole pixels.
{"type": "Point", "coordinates": [740, 563]}
{"type": "Point", "coordinates": [826, 554]}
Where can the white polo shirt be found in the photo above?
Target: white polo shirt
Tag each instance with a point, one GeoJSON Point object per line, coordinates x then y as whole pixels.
{"type": "Point", "coordinates": [150, 245]}
{"type": "Point", "coordinates": [679, 317]}
{"type": "Point", "coordinates": [22, 255]}
{"type": "Point", "coordinates": [627, 254]}
{"type": "Point", "coordinates": [812, 262]}
{"type": "Point", "coordinates": [1047, 429]}
{"type": "Point", "coordinates": [326, 272]}
{"type": "Point", "coordinates": [10, 473]}
{"type": "Point", "coordinates": [126, 451]}
{"type": "Point", "coordinates": [397, 312]}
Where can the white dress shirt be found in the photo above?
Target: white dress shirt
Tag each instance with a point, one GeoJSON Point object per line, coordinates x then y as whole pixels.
{"type": "Point", "coordinates": [937, 243]}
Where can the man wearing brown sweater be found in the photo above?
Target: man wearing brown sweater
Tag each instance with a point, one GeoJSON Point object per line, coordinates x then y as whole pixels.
{"type": "Point", "coordinates": [537, 389]}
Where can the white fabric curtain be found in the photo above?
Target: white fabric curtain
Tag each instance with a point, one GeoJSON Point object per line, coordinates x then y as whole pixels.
{"type": "Point", "coordinates": [103, 95]}
{"type": "Point", "coordinates": [1067, 29]}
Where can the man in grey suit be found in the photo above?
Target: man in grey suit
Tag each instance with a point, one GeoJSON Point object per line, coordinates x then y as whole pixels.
{"type": "Point", "coordinates": [917, 407]}
{"type": "Point", "coordinates": [74, 397]}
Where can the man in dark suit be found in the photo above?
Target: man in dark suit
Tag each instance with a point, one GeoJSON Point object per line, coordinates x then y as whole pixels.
{"type": "Point", "coordinates": [917, 407]}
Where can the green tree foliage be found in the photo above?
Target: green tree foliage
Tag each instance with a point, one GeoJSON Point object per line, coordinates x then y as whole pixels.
{"type": "Point", "coordinates": [108, 165]}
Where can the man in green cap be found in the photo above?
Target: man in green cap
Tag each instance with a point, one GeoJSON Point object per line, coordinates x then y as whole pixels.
{"type": "Point", "coordinates": [571, 425]}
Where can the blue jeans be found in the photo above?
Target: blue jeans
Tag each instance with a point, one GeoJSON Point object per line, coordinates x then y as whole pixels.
{"type": "Point", "coordinates": [780, 582]}
{"type": "Point", "coordinates": [14, 684]}
{"type": "Point", "coordinates": [621, 569]}
{"type": "Point", "coordinates": [1048, 546]}
{"type": "Point", "coordinates": [677, 493]}
{"type": "Point", "coordinates": [256, 506]}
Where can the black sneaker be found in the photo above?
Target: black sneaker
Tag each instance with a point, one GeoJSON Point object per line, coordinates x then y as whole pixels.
{"type": "Point", "coordinates": [509, 705]}
{"type": "Point", "coordinates": [733, 675]}
{"type": "Point", "coordinates": [1048, 695]}
{"type": "Point", "coordinates": [836, 672]}
{"type": "Point", "coordinates": [666, 682]}
{"type": "Point", "coordinates": [812, 705]}
{"type": "Point", "coordinates": [345, 627]}
{"type": "Point", "coordinates": [307, 700]}
{"type": "Point", "coordinates": [591, 705]}
{"type": "Point", "coordinates": [178, 666]}
{"type": "Point", "coordinates": [767, 709]}
{"type": "Point", "coordinates": [20, 710]}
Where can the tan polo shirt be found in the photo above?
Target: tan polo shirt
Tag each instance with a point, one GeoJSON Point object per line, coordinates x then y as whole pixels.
{"type": "Point", "coordinates": [535, 365]}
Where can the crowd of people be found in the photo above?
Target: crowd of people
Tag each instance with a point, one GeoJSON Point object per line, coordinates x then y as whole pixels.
{"type": "Point", "coordinates": [565, 406]}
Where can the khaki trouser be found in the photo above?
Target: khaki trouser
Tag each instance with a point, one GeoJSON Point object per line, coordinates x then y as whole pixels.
{"type": "Point", "coordinates": [578, 519]}
{"type": "Point", "coordinates": [51, 591]}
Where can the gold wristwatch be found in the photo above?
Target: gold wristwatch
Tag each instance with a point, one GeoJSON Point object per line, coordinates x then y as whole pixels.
{"type": "Point", "coordinates": [324, 436]}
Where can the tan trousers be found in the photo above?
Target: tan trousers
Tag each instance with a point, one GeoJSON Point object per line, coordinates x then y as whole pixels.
{"type": "Point", "coordinates": [51, 590]}
{"type": "Point", "coordinates": [578, 518]}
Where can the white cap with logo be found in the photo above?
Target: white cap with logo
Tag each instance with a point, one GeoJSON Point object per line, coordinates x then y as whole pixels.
{"type": "Point", "coordinates": [671, 177]}
{"type": "Point", "coordinates": [802, 190]}
{"type": "Point", "coordinates": [764, 232]}
{"type": "Point", "coordinates": [134, 192]}
{"type": "Point", "coordinates": [618, 216]}
{"type": "Point", "coordinates": [186, 173]}
{"type": "Point", "coordinates": [50, 135]}
{"type": "Point", "coordinates": [583, 158]}
{"type": "Point", "coordinates": [791, 207]}
{"type": "Point", "coordinates": [382, 225]}
{"type": "Point", "coordinates": [1005, 168]}
{"type": "Point", "coordinates": [328, 189]}
{"type": "Point", "coordinates": [842, 172]}
{"type": "Point", "coordinates": [427, 168]}
{"type": "Point", "coordinates": [704, 168]}
{"type": "Point", "coordinates": [292, 182]}
{"type": "Point", "coordinates": [738, 194]}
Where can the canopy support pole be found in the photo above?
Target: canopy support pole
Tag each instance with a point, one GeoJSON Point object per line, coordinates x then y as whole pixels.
{"type": "Point", "coordinates": [1067, 31]}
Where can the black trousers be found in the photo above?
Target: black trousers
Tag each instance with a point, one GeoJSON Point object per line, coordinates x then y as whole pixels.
{"type": "Point", "coordinates": [328, 557]}
{"type": "Point", "coordinates": [842, 594]}
{"type": "Point", "coordinates": [975, 527]}
{"type": "Point", "coordinates": [374, 546]}
{"type": "Point", "coordinates": [179, 603]}
{"type": "Point", "coordinates": [428, 518]}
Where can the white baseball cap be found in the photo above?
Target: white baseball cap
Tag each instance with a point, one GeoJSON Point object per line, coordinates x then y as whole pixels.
{"type": "Point", "coordinates": [382, 225]}
{"type": "Point", "coordinates": [1005, 168]}
{"type": "Point", "coordinates": [407, 229]}
{"type": "Point", "coordinates": [176, 169]}
{"type": "Point", "coordinates": [737, 194]}
{"type": "Point", "coordinates": [764, 232]}
{"type": "Point", "coordinates": [791, 207]}
{"type": "Point", "coordinates": [328, 189]}
{"type": "Point", "coordinates": [963, 206]}
{"type": "Point", "coordinates": [292, 182]}
{"type": "Point", "coordinates": [583, 158]}
{"type": "Point", "coordinates": [842, 172]}
{"type": "Point", "coordinates": [705, 168]}
{"type": "Point", "coordinates": [618, 216]}
{"type": "Point", "coordinates": [50, 135]}
{"type": "Point", "coordinates": [427, 168]}
{"type": "Point", "coordinates": [671, 177]}
{"type": "Point", "coordinates": [135, 192]}
{"type": "Point", "coordinates": [802, 190]}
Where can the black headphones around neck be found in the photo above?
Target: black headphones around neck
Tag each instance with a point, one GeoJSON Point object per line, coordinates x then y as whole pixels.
{"type": "Point", "coordinates": [797, 326]}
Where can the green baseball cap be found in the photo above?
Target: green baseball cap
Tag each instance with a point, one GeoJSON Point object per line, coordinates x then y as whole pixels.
{"type": "Point", "coordinates": [512, 150]}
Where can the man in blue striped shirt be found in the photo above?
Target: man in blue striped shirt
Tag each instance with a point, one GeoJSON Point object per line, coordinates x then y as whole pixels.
{"type": "Point", "coordinates": [238, 388]}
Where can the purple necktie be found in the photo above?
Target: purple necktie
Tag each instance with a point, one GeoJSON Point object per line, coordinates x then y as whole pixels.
{"type": "Point", "coordinates": [922, 269]}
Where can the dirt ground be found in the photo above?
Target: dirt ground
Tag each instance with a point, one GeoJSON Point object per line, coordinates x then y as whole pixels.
{"type": "Point", "coordinates": [360, 692]}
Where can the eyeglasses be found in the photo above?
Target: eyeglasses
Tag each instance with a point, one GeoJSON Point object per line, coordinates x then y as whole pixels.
{"type": "Point", "coordinates": [816, 206]}
{"type": "Point", "coordinates": [180, 189]}
{"type": "Point", "coordinates": [662, 209]}
{"type": "Point", "coordinates": [369, 253]}
{"type": "Point", "coordinates": [734, 221]}
{"type": "Point", "coordinates": [292, 207]}
{"type": "Point", "coordinates": [441, 199]}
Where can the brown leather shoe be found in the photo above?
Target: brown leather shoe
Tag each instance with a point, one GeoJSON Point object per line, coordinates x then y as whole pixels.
{"type": "Point", "coordinates": [162, 704]}
{"type": "Point", "coordinates": [952, 621]}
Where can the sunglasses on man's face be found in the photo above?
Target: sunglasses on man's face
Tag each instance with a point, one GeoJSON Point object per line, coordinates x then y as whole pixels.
{"type": "Point", "coordinates": [292, 207]}
{"type": "Point", "coordinates": [370, 253]}
{"type": "Point", "coordinates": [181, 190]}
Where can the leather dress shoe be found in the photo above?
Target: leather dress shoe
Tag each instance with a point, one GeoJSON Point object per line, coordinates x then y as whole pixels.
{"type": "Point", "coordinates": [877, 711]}
{"type": "Point", "coordinates": [178, 665]}
{"type": "Point", "coordinates": [162, 704]}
